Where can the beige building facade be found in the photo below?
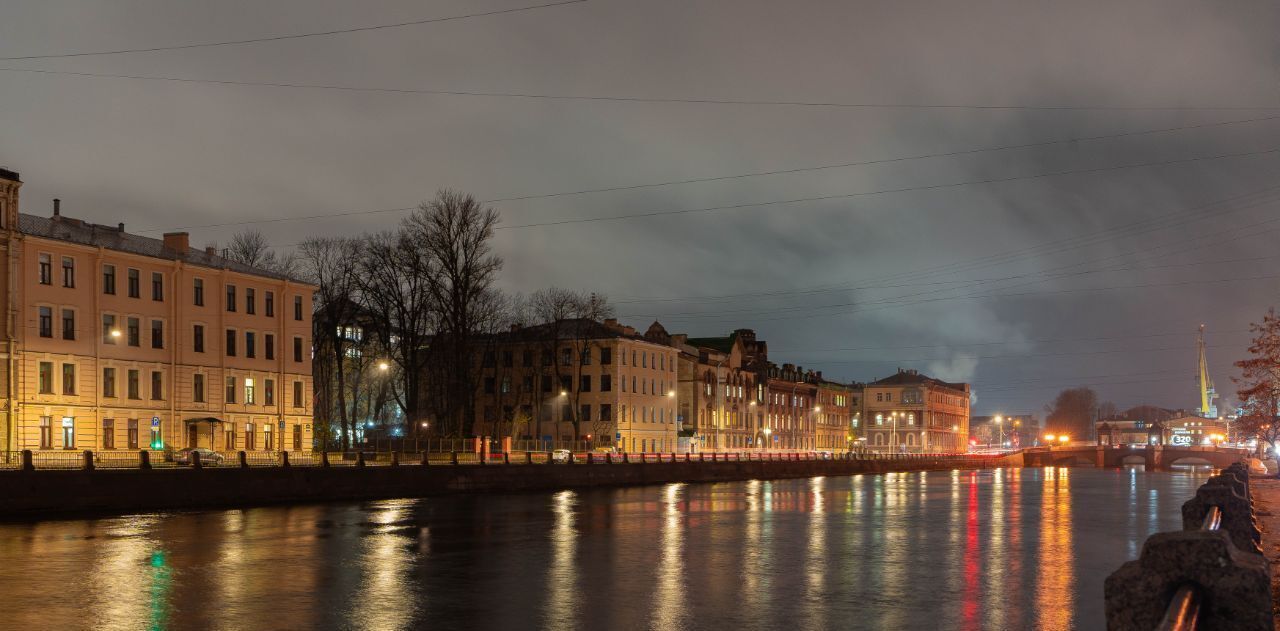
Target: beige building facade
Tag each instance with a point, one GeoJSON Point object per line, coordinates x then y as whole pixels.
{"type": "Point", "coordinates": [911, 412]}
{"type": "Point", "coordinates": [616, 385]}
{"type": "Point", "coordinates": [118, 341]}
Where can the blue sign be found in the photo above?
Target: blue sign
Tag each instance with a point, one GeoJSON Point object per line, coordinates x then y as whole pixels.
{"type": "Point", "coordinates": [617, 436]}
{"type": "Point", "coordinates": [155, 421]}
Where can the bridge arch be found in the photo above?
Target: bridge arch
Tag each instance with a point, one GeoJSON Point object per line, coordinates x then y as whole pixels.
{"type": "Point", "coordinates": [1133, 459]}
{"type": "Point", "coordinates": [1073, 460]}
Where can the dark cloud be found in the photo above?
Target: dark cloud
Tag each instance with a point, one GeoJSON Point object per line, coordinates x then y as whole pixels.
{"type": "Point", "coordinates": [163, 154]}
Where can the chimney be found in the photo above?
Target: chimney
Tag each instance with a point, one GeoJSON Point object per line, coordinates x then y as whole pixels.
{"type": "Point", "coordinates": [211, 250]}
{"type": "Point", "coordinates": [179, 242]}
{"type": "Point", "coordinates": [57, 208]}
{"type": "Point", "coordinates": [120, 227]}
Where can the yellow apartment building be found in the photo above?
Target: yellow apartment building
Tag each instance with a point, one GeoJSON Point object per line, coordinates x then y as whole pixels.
{"type": "Point", "coordinates": [911, 412]}
{"type": "Point", "coordinates": [118, 341]}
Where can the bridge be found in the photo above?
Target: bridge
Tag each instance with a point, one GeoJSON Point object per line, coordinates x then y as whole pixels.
{"type": "Point", "coordinates": [1154, 457]}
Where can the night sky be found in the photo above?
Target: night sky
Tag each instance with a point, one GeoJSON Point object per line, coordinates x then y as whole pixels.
{"type": "Point", "coordinates": [1077, 261]}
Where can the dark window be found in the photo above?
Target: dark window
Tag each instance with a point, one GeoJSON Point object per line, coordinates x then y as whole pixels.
{"type": "Point", "coordinates": [606, 355]}
{"type": "Point", "coordinates": [46, 321]}
{"type": "Point", "coordinates": [231, 343]}
{"type": "Point", "coordinates": [250, 306]}
{"type": "Point", "coordinates": [584, 414]}
{"type": "Point", "coordinates": [133, 385]}
{"type": "Point", "coordinates": [46, 377]}
{"type": "Point", "coordinates": [231, 297]}
{"type": "Point", "coordinates": [133, 433]}
{"type": "Point", "coordinates": [508, 359]}
{"type": "Point", "coordinates": [606, 412]}
{"type": "Point", "coordinates": [134, 334]}
{"type": "Point", "coordinates": [108, 382]}
{"type": "Point", "coordinates": [584, 383]}
{"type": "Point", "coordinates": [269, 346]}
{"type": "Point", "coordinates": [269, 392]}
{"type": "Point", "coordinates": [197, 388]}
{"type": "Point", "coordinates": [566, 383]}
{"type": "Point", "coordinates": [270, 306]}
{"type": "Point", "coordinates": [489, 385]}
{"type": "Point", "coordinates": [297, 349]}
{"type": "Point", "coordinates": [109, 279]}
{"type": "Point", "coordinates": [109, 327]}
{"type": "Point", "coordinates": [135, 289]}
{"type": "Point", "coordinates": [566, 413]}
{"type": "Point", "coordinates": [546, 383]}
{"type": "Point", "coordinates": [68, 272]}
{"type": "Point", "coordinates": [68, 379]}
{"type": "Point", "coordinates": [157, 334]}
{"type": "Point", "coordinates": [68, 324]}
{"type": "Point", "coordinates": [606, 383]}
{"type": "Point", "coordinates": [231, 389]}
{"type": "Point", "coordinates": [249, 350]}
{"type": "Point", "coordinates": [297, 394]}
{"type": "Point", "coordinates": [46, 269]}
{"type": "Point", "coordinates": [526, 359]}
{"type": "Point", "coordinates": [157, 286]}
{"type": "Point", "coordinates": [250, 438]}
{"type": "Point", "coordinates": [490, 359]}
{"type": "Point", "coordinates": [230, 434]}
{"type": "Point", "coordinates": [108, 433]}
{"type": "Point", "coordinates": [197, 292]}
{"type": "Point", "coordinates": [547, 358]}
{"type": "Point", "coordinates": [527, 383]}
{"type": "Point", "coordinates": [197, 338]}
{"type": "Point", "coordinates": [566, 357]}
{"type": "Point", "coordinates": [586, 356]}
{"type": "Point", "coordinates": [297, 308]}
{"type": "Point", "coordinates": [157, 385]}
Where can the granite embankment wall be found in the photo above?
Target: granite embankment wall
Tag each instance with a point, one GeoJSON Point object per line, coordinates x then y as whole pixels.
{"type": "Point", "coordinates": [28, 494]}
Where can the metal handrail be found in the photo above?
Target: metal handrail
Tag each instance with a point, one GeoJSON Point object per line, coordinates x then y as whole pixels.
{"type": "Point", "coordinates": [1183, 612]}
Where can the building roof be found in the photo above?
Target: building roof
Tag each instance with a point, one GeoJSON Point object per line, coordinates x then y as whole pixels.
{"type": "Point", "coordinates": [722, 344]}
{"type": "Point", "coordinates": [82, 232]}
{"type": "Point", "coordinates": [913, 377]}
{"type": "Point", "coordinates": [575, 328]}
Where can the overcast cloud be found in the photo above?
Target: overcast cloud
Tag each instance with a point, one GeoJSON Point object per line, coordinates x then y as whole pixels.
{"type": "Point", "coordinates": [842, 279]}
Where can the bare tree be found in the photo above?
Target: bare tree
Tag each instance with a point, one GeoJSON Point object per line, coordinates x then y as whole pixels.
{"type": "Point", "coordinates": [252, 248]}
{"type": "Point", "coordinates": [332, 264]}
{"type": "Point", "coordinates": [1073, 411]}
{"type": "Point", "coordinates": [394, 277]}
{"type": "Point", "coordinates": [1259, 383]}
{"type": "Point", "coordinates": [572, 335]}
{"type": "Point", "coordinates": [454, 233]}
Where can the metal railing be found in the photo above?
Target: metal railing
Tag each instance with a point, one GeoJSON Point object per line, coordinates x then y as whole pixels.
{"type": "Point", "coordinates": [1184, 608]}
{"type": "Point", "coordinates": [146, 459]}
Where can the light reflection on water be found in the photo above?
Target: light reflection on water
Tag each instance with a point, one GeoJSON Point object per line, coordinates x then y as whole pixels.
{"type": "Point", "coordinates": [1004, 549]}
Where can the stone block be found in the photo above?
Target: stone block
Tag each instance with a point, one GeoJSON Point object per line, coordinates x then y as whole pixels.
{"type": "Point", "coordinates": [1237, 515]}
{"type": "Point", "coordinates": [1235, 586]}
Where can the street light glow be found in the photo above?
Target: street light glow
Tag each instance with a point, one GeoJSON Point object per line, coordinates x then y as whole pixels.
{"type": "Point", "coordinates": [1049, 437]}
{"type": "Point", "coordinates": [115, 332]}
{"type": "Point", "coordinates": [384, 366]}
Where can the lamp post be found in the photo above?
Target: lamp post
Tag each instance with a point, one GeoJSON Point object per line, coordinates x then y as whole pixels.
{"type": "Point", "coordinates": [767, 431]}
{"type": "Point", "coordinates": [999, 431]}
{"type": "Point", "coordinates": [893, 438]}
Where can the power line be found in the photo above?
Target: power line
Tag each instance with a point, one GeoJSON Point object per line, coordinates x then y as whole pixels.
{"type": "Point", "coordinates": [1114, 338]}
{"type": "Point", "coordinates": [738, 176]}
{"type": "Point", "coordinates": [277, 38]}
{"type": "Point", "coordinates": [668, 100]}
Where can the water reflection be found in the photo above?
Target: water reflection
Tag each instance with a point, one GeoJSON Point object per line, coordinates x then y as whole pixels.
{"type": "Point", "coordinates": [562, 597]}
{"type": "Point", "coordinates": [943, 550]}
{"type": "Point", "coordinates": [385, 599]}
{"type": "Point", "coordinates": [1055, 583]}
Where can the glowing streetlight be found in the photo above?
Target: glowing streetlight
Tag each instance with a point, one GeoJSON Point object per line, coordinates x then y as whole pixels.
{"type": "Point", "coordinates": [563, 393]}
{"type": "Point", "coordinates": [384, 366]}
{"type": "Point", "coordinates": [115, 332]}
{"type": "Point", "coordinates": [1049, 438]}
{"type": "Point", "coordinates": [1064, 439]}
{"type": "Point", "coordinates": [671, 393]}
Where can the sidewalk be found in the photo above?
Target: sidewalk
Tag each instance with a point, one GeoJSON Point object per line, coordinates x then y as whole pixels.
{"type": "Point", "coordinates": [1266, 499]}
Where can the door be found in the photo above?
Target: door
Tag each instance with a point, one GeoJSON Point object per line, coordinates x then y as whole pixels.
{"type": "Point", "coordinates": [297, 438]}
{"type": "Point", "coordinates": [192, 436]}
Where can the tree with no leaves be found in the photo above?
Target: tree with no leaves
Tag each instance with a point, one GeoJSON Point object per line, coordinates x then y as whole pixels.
{"type": "Point", "coordinates": [331, 265]}
{"type": "Point", "coordinates": [1073, 412]}
{"type": "Point", "coordinates": [1259, 383]}
{"type": "Point", "coordinates": [251, 248]}
{"type": "Point", "coordinates": [568, 316]}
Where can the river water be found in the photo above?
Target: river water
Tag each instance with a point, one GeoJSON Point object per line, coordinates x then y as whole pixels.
{"type": "Point", "coordinates": [1003, 549]}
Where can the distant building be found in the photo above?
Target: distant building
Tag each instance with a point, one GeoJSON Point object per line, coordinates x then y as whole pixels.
{"type": "Point", "coordinates": [617, 385]}
{"type": "Point", "coordinates": [721, 391]}
{"type": "Point", "coordinates": [1175, 428]}
{"type": "Point", "coordinates": [912, 412]}
{"type": "Point", "coordinates": [791, 408]}
{"type": "Point", "coordinates": [1015, 430]}
{"type": "Point", "coordinates": [118, 341]}
{"type": "Point", "coordinates": [835, 410]}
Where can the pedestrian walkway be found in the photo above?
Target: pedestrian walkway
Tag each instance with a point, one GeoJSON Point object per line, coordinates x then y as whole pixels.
{"type": "Point", "coordinates": [1266, 501]}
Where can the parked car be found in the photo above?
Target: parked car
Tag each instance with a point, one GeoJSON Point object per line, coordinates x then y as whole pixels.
{"type": "Point", "coordinates": [561, 456]}
{"type": "Point", "coordinates": [823, 455]}
{"type": "Point", "coordinates": [208, 457]}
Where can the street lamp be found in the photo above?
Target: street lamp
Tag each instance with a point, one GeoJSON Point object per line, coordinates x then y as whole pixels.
{"type": "Point", "coordinates": [115, 332]}
{"type": "Point", "coordinates": [767, 431]}
{"type": "Point", "coordinates": [384, 366]}
{"type": "Point", "coordinates": [1064, 439]}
